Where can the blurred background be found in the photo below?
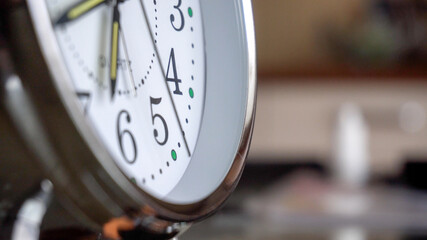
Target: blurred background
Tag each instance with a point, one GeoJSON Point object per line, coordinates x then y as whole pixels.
{"type": "Point", "coordinates": [340, 143]}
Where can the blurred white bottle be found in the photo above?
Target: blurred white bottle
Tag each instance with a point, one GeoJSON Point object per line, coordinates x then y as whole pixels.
{"type": "Point", "coordinates": [351, 147]}
{"type": "Point", "coordinates": [351, 168]}
{"type": "Point", "coordinates": [349, 233]}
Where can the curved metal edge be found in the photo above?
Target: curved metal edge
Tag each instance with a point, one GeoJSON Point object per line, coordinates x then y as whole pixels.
{"type": "Point", "coordinates": [233, 177]}
{"type": "Point", "coordinates": [252, 94]}
{"type": "Point", "coordinates": [212, 203]}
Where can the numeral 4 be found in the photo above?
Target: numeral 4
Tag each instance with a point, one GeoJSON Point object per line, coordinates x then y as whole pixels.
{"type": "Point", "coordinates": [174, 77]}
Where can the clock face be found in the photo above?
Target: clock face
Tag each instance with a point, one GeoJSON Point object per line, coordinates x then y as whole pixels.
{"type": "Point", "coordinates": [138, 69]}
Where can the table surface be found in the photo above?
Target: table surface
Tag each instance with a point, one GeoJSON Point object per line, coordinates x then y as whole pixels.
{"type": "Point", "coordinates": [307, 207]}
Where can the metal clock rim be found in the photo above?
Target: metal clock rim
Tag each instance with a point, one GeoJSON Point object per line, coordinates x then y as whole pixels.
{"type": "Point", "coordinates": [120, 184]}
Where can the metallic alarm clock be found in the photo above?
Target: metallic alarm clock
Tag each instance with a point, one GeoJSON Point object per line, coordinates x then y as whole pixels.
{"type": "Point", "coordinates": [122, 117]}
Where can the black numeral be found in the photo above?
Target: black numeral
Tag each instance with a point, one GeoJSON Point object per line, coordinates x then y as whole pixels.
{"type": "Point", "coordinates": [157, 101]}
{"type": "Point", "coordinates": [174, 78]}
{"type": "Point", "coordinates": [122, 133]}
{"type": "Point", "coordinates": [181, 14]}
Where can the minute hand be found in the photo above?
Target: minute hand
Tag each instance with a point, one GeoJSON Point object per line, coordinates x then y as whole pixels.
{"type": "Point", "coordinates": [164, 77]}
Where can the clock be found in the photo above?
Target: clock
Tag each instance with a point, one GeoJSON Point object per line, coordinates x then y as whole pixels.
{"type": "Point", "coordinates": [139, 109]}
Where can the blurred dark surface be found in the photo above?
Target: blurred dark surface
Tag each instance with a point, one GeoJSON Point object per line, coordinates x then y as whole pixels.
{"type": "Point", "coordinates": [234, 221]}
{"type": "Point", "coordinates": [415, 174]}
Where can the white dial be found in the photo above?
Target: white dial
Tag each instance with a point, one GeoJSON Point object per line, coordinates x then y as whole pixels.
{"type": "Point", "coordinates": [147, 108]}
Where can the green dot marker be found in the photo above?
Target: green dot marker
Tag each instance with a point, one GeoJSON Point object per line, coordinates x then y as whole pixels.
{"type": "Point", "coordinates": [133, 180]}
{"type": "Point", "coordinates": [190, 12]}
{"type": "Point", "coordinates": [174, 156]}
{"type": "Point", "coordinates": [191, 92]}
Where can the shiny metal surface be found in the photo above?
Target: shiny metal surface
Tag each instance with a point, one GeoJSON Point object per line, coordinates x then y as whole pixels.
{"type": "Point", "coordinates": [83, 173]}
{"type": "Point", "coordinates": [31, 214]}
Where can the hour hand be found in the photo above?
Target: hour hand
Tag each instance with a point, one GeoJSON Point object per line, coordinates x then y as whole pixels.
{"type": "Point", "coordinates": [114, 48]}
{"type": "Point", "coordinates": [79, 10]}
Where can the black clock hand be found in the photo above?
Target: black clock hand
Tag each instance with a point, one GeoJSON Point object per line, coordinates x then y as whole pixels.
{"type": "Point", "coordinates": [131, 78]}
{"type": "Point", "coordinates": [79, 10]}
{"type": "Point", "coordinates": [164, 78]}
{"type": "Point", "coordinates": [114, 50]}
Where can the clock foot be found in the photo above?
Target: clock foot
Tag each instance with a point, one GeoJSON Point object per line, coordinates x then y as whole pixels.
{"type": "Point", "coordinates": [25, 220]}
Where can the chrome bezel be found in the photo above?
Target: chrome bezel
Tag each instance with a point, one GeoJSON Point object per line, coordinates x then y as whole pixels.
{"type": "Point", "coordinates": [100, 191]}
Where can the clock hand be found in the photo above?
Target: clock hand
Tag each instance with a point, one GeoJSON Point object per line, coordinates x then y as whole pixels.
{"type": "Point", "coordinates": [79, 9]}
{"type": "Point", "coordinates": [114, 48]}
{"type": "Point", "coordinates": [116, 30]}
{"type": "Point", "coordinates": [164, 78]}
{"type": "Point", "coordinates": [132, 79]}
{"type": "Point", "coordinates": [86, 6]}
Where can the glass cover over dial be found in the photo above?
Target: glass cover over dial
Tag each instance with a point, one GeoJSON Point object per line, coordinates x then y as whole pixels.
{"type": "Point", "coordinates": [138, 69]}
